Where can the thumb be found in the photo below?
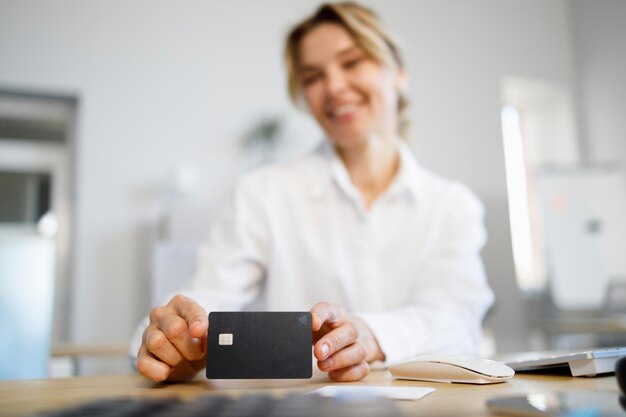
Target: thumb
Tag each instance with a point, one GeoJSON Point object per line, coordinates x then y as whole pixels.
{"type": "Point", "coordinates": [198, 327]}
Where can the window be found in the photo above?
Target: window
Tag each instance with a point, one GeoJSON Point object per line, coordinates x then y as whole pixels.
{"type": "Point", "coordinates": [538, 133]}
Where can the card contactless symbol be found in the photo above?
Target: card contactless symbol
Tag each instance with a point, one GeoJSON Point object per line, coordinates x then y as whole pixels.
{"type": "Point", "coordinates": [259, 345]}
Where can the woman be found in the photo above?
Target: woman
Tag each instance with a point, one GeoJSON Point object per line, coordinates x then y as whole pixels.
{"type": "Point", "coordinates": [386, 252]}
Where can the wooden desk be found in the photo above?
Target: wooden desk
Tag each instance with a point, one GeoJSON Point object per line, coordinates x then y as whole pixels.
{"type": "Point", "coordinates": [21, 398]}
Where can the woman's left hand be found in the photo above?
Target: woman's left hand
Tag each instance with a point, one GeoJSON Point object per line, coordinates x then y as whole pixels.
{"type": "Point", "coordinates": [344, 345]}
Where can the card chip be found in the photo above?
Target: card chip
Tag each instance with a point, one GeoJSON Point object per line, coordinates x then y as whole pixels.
{"type": "Point", "coordinates": [225, 339]}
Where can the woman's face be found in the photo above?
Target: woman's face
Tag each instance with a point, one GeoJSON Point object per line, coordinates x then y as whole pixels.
{"type": "Point", "coordinates": [352, 97]}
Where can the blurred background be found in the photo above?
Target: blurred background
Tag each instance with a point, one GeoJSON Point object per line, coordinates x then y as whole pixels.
{"type": "Point", "coordinates": [123, 125]}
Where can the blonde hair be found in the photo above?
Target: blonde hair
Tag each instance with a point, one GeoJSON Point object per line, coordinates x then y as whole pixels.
{"type": "Point", "coordinates": [365, 28]}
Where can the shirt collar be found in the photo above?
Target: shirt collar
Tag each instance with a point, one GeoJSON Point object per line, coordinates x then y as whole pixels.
{"type": "Point", "coordinates": [409, 176]}
{"type": "Point", "coordinates": [333, 172]}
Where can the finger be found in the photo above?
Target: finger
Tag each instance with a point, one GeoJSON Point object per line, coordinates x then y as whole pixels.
{"type": "Point", "coordinates": [193, 314]}
{"type": "Point", "coordinates": [325, 312]}
{"type": "Point", "coordinates": [351, 355]}
{"type": "Point", "coordinates": [335, 340]}
{"type": "Point", "coordinates": [177, 332]}
{"type": "Point", "coordinates": [159, 346]}
{"type": "Point", "coordinates": [151, 367]}
{"type": "Point", "coordinates": [204, 342]}
{"type": "Point", "coordinates": [350, 373]}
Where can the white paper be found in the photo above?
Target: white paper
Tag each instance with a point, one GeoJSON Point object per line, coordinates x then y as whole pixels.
{"type": "Point", "coordinates": [395, 393]}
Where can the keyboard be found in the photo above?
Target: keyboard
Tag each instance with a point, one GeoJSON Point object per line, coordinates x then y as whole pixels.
{"type": "Point", "coordinates": [295, 405]}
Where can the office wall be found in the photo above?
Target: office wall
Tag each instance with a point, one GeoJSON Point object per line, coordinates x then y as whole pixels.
{"type": "Point", "coordinates": [599, 34]}
{"type": "Point", "coordinates": [158, 84]}
{"type": "Point", "coordinates": [162, 83]}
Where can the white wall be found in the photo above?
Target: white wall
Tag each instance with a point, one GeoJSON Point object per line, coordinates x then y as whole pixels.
{"type": "Point", "coordinates": [158, 83]}
{"type": "Point", "coordinates": [162, 82]}
{"type": "Point", "coordinates": [599, 33]}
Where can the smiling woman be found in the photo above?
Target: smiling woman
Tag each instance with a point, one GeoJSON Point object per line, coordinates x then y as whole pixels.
{"type": "Point", "coordinates": [349, 73]}
{"type": "Point", "coordinates": [351, 96]}
{"type": "Point", "coordinates": [343, 43]}
{"type": "Point", "coordinates": [385, 254]}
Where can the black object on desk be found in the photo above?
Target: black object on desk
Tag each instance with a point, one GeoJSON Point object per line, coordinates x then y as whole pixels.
{"type": "Point", "coordinates": [620, 373]}
{"type": "Point", "coordinates": [559, 404]}
{"type": "Point", "coordinates": [299, 405]}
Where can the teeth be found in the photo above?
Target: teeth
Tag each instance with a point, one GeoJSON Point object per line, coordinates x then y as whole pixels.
{"type": "Point", "coordinates": [341, 110]}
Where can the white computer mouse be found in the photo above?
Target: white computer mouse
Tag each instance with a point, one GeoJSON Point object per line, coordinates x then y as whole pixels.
{"type": "Point", "coordinates": [454, 368]}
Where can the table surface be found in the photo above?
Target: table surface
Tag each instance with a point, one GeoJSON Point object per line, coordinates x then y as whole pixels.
{"type": "Point", "coordinates": [22, 398]}
{"type": "Point", "coordinates": [590, 325]}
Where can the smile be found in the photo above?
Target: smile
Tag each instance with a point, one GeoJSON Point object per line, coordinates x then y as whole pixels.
{"type": "Point", "coordinates": [342, 111]}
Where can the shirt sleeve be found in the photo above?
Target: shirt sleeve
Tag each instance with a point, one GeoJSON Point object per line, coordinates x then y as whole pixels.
{"type": "Point", "coordinates": [450, 296]}
{"type": "Point", "coordinates": [232, 265]}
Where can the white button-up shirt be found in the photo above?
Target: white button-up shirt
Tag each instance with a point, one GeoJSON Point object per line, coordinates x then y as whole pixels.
{"type": "Point", "coordinates": [299, 233]}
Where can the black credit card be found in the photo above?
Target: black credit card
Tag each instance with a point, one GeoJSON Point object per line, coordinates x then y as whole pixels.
{"type": "Point", "coordinates": [259, 345]}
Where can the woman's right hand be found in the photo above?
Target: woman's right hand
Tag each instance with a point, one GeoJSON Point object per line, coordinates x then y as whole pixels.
{"type": "Point", "coordinates": [173, 347]}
